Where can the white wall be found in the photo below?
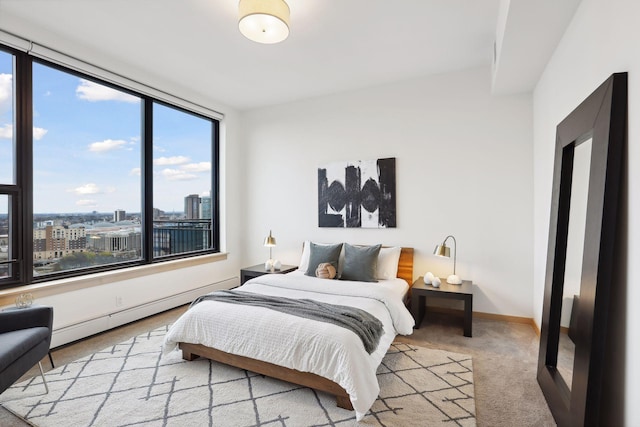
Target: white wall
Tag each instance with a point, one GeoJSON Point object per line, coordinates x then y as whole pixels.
{"type": "Point", "coordinates": [463, 160]}
{"type": "Point", "coordinates": [602, 39]}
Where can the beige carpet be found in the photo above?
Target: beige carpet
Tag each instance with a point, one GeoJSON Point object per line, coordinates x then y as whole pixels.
{"type": "Point", "coordinates": [131, 384]}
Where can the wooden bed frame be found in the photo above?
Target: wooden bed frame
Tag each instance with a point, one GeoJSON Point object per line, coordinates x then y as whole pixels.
{"type": "Point", "coordinates": [306, 379]}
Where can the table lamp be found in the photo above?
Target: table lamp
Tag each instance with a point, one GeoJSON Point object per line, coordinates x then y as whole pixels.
{"type": "Point", "coordinates": [270, 242]}
{"type": "Point", "coordinates": [443, 250]}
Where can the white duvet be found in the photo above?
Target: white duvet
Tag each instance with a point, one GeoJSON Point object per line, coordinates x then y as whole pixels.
{"type": "Point", "coordinates": [298, 343]}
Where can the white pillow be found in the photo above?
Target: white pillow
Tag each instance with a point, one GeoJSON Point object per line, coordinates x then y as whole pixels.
{"type": "Point", "coordinates": [304, 260]}
{"type": "Point", "coordinates": [388, 259]}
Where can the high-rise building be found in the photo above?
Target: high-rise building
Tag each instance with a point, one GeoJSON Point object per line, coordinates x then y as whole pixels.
{"type": "Point", "coordinates": [205, 207]}
{"type": "Point", "coordinates": [192, 206]}
{"type": "Point", "coordinates": [119, 215]}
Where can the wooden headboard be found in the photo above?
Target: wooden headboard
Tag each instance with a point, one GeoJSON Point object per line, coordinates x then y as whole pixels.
{"type": "Point", "coordinates": [405, 265]}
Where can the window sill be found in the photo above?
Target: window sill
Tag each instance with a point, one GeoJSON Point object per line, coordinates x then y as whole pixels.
{"type": "Point", "coordinates": [54, 287]}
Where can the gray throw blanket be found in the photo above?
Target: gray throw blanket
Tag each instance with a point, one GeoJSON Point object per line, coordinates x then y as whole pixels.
{"type": "Point", "coordinates": [367, 327]}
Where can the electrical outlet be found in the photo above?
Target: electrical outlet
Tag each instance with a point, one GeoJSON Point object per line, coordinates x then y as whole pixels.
{"type": "Point", "coordinates": [118, 301]}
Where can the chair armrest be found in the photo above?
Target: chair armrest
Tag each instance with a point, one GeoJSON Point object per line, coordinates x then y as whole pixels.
{"type": "Point", "coordinates": [24, 318]}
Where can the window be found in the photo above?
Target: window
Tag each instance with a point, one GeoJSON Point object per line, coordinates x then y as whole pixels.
{"type": "Point", "coordinates": [86, 163]}
{"type": "Point", "coordinates": [182, 153]}
{"type": "Point", "coordinates": [98, 177]}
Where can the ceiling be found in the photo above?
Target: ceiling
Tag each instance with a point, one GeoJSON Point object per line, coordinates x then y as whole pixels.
{"type": "Point", "coordinates": [194, 46]}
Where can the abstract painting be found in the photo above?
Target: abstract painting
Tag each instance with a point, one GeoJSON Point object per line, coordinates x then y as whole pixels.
{"type": "Point", "coordinates": [357, 194]}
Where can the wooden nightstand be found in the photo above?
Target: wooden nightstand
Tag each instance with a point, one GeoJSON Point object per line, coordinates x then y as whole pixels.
{"type": "Point", "coordinates": [420, 291]}
{"type": "Point", "coordinates": [258, 270]}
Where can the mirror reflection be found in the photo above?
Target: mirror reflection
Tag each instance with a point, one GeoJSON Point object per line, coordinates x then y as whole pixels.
{"type": "Point", "coordinates": [573, 265]}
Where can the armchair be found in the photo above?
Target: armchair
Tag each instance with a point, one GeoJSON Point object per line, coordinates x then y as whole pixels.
{"type": "Point", "coordinates": [25, 337]}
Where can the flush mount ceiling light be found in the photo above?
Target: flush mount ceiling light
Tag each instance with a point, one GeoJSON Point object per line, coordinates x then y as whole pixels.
{"type": "Point", "coordinates": [264, 21]}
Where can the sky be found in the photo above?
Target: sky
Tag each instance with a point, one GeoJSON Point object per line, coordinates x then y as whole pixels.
{"type": "Point", "coordinates": [87, 151]}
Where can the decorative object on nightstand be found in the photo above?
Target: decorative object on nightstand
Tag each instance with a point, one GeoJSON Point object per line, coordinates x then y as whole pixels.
{"type": "Point", "coordinates": [435, 282]}
{"type": "Point", "coordinates": [443, 250]}
{"type": "Point", "coordinates": [428, 277]}
{"type": "Point", "coordinates": [271, 264]}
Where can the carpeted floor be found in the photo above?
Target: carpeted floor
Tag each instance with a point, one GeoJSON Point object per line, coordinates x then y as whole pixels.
{"type": "Point", "coordinates": [504, 363]}
{"type": "Point", "coordinates": [130, 383]}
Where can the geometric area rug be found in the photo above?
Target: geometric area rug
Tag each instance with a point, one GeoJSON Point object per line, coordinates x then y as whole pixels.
{"type": "Point", "coordinates": [131, 384]}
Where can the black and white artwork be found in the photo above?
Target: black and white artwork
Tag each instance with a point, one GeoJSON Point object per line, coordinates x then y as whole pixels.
{"type": "Point", "coordinates": [358, 194]}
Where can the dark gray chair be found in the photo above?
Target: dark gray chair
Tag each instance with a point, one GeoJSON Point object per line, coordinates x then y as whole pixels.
{"type": "Point", "coordinates": [25, 338]}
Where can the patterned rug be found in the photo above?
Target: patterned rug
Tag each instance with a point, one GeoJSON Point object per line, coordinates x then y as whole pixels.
{"type": "Point", "coordinates": [130, 384]}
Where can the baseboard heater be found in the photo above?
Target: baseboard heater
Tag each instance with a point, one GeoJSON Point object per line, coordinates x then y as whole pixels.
{"type": "Point", "coordinates": [86, 328]}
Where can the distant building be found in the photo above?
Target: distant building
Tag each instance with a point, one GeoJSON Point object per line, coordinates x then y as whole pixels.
{"type": "Point", "coordinates": [205, 207]}
{"type": "Point", "coordinates": [55, 241]}
{"type": "Point", "coordinates": [158, 213]}
{"type": "Point", "coordinates": [119, 215]}
{"type": "Point", "coordinates": [192, 206]}
{"type": "Point", "coordinates": [114, 242]}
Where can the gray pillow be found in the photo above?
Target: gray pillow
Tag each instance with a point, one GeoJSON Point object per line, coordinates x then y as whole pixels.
{"type": "Point", "coordinates": [360, 263]}
{"type": "Point", "coordinates": [322, 253]}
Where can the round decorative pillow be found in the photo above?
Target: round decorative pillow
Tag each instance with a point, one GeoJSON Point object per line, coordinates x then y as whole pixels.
{"type": "Point", "coordinates": [326, 271]}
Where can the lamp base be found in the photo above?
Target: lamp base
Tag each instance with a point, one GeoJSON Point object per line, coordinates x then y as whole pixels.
{"type": "Point", "coordinates": [454, 280]}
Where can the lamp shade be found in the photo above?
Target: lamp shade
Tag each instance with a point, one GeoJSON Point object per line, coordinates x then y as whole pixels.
{"type": "Point", "coordinates": [264, 21]}
{"type": "Point", "coordinates": [270, 240]}
{"type": "Point", "coordinates": [442, 250]}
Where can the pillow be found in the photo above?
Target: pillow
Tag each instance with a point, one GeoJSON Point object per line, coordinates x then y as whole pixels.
{"type": "Point", "coordinates": [325, 271]}
{"type": "Point", "coordinates": [388, 259]}
{"type": "Point", "coordinates": [304, 259]}
{"type": "Point", "coordinates": [360, 263]}
{"type": "Point", "coordinates": [322, 253]}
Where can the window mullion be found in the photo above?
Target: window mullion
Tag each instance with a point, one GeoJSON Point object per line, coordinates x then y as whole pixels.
{"type": "Point", "coordinates": [24, 174]}
{"type": "Point", "coordinates": [147, 179]}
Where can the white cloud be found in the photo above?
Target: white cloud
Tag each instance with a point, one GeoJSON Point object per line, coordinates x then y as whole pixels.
{"type": "Point", "coordinates": [90, 188]}
{"type": "Point", "coordinates": [197, 167]}
{"type": "Point", "coordinates": [38, 133]}
{"type": "Point", "coordinates": [6, 91]}
{"type": "Point", "coordinates": [93, 92]}
{"type": "Point", "coordinates": [135, 172]}
{"type": "Point", "coordinates": [175, 160]}
{"type": "Point", "coordinates": [107, 145]}
{"type": "Point", "coordinates": [177, 175]}
{"type": "Point", "coordinates": [6, 131]}
{"type": "Point", "coordinates": [88, 203]}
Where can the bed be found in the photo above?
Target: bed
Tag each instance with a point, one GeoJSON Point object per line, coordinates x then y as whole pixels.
{"type": "Point", "coordinates": [318, 355]}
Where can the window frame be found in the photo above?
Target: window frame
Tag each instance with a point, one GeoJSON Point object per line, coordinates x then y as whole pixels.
{"type": "Point", "coordinates": [22, 192]}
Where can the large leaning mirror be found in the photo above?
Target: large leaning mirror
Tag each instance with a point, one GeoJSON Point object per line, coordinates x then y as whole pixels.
{"type": "Point", "coordinates": [582, 230]}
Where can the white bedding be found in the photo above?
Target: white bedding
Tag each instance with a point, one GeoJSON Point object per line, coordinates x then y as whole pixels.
{"type": "Point", "coordinates": [298, 343]}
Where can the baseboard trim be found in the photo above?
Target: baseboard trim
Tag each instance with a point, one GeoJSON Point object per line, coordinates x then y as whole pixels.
{"type": "Point", "coordinates": [489, 316]}
{"type": "Point", "coordinates": [76, 331]}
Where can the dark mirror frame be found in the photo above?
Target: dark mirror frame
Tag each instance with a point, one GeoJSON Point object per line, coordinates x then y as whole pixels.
{"type": "Point", "coordinates": [602, 117]}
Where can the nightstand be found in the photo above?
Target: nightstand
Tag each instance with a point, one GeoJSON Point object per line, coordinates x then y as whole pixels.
{"type": "Point", "coordinates": [420, 291]}
{"type": "Point", "coordinates": [258, 270]}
